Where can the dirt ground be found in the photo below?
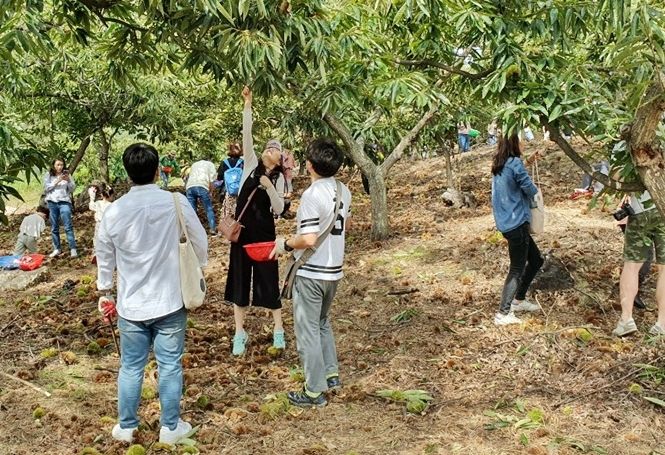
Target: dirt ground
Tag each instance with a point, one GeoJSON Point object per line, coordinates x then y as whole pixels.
{"type": "Point", "coordinates": [413, 312]}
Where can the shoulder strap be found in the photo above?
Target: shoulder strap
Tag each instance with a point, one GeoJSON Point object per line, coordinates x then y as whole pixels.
{"type": "Point", "coordinates": [249, 199]}
{"type": "Point", "coordinates": [181, 219]}
{"type": "Point", "coordinates": [536, 174]}
{"type": "Point", "coordinates": [238, 163]}
{"type": "Point", "coordinates": [310, 251]}
{"type": "Point", "coordinates": [227, 162]}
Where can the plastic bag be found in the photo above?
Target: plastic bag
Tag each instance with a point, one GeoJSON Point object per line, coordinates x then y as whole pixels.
{"type": "Point", "coordinates": [30, 262]}
{"type": "Point", "coordinates": [9, 262]}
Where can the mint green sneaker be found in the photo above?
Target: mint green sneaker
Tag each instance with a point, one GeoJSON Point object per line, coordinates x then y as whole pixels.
{"type": "Point", "coordinates": [278, 340]}
{"type": "Point", "coordinates": [239, 343]}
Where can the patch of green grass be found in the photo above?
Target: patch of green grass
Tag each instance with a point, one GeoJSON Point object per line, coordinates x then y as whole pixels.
{"type": "Point", "coordinates": [277, 405]}
{"type": "Point", "coordinates": [416, 401]}
{"type": "Point", "coordinates": [30, 192]}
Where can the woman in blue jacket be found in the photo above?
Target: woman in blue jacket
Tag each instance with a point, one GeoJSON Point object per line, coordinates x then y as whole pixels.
{"type": "Point", "coordinates": [512, 193]}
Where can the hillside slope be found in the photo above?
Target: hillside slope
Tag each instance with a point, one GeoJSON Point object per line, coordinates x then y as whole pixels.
{"type": "Point", "coordinates": [413, 312]}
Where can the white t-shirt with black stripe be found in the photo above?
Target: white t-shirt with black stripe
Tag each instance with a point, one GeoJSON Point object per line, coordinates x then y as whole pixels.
{"type": "Point", "coordinates": [315, 213]}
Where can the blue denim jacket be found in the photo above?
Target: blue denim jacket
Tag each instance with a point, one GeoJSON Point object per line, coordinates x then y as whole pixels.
{"type": "Point", "coordinates": [512, 191]}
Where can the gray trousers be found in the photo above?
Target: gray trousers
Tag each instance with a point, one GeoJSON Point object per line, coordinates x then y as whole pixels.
{"type": "Point", "coordinates": [314, 335]}
{"type": "Point", "coordinates": [25, 243]}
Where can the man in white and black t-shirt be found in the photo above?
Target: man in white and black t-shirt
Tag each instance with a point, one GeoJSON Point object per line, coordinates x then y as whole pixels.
{"type": "Point", "coordinates": [316, 280]}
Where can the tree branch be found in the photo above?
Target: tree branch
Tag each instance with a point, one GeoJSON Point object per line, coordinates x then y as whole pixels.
{"type": "Point", "coordinates": [354, 148]}
{"type": "Point", "coordinates": [373, 119]}
{"type": "Point", "coordinates": [555, 135]}
{"type": "Point", "coordinates": [443, 66]}
{"type": "Point", "coordinates": [407, 139]}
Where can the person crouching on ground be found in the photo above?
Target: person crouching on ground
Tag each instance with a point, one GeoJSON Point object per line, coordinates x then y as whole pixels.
{"type": "Point", "coordinates": [31, 229]}
{"type": "Point", "coordinates": [512, 192]}
{"type": "Point", "coordinates": [316, 281]}
{"type": "Point", "coordinates": [139, 236]}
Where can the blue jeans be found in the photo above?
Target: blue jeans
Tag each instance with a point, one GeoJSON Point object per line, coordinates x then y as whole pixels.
{"type": "Point", "coordinates": [167, 335]}
{"type": "Point", "coordinates": [194, 194]}
{"type": "Point", "coordinates": [61, 211]}
{"type": "Point", "coordinates": [165, 178]}
{"type": "Point", "coordinates": [463, 142]}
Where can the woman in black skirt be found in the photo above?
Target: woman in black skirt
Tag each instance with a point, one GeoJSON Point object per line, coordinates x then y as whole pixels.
{"type": "Point", "coordinates": [262, 278]}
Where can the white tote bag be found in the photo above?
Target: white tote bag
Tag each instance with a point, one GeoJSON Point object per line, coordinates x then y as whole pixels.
{"type": "Point", "coordinates": [537, 225]}
{"type": "Point", "coordinates": [192, 282]}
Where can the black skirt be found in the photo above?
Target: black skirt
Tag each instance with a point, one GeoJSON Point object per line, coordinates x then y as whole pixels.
{"type": "Point", "coordinates": [245, 274]}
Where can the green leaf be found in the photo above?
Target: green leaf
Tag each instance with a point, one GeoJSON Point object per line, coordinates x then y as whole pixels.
{"type": "Point", "coordinates": [655, 400]}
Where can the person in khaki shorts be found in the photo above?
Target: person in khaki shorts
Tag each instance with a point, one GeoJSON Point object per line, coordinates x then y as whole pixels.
{"type": "Point", "coordinates": [645, 230]}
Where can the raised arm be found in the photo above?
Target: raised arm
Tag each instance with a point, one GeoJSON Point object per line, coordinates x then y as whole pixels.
{"type": "Point", "coordinates": [251, 161]}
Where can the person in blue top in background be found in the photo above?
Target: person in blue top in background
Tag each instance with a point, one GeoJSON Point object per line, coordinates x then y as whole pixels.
{"type": "Point", "coordinates": [512, 193]}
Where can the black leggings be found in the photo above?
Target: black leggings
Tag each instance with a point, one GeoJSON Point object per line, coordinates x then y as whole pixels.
{"type": "Point", "coordinates": [525, 261]}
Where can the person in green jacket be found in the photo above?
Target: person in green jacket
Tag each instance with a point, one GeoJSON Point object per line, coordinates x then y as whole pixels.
{"type": "Point", "coordinates": [168, 166]}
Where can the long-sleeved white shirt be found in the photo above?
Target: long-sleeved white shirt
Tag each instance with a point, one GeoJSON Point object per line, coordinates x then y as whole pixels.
{"type": "Point", "coordinates": [57, 190]}
{"type": "Point", "coordinates": [252, 161]}
{"type": "Point", "coordinates": [139, 237]}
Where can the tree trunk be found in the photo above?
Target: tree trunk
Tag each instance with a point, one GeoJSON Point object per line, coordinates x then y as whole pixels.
{"type": "Point", "coordinates": [379, 201]}
{"type": "Point", "coordinates": [103, 156]}
{"type": "Point", "coordinates": [648, 158]}
{"type": "Point", "coordinates": [449, 167]}
{"type": "Point", "coordinates": [79, 155]}
{"type": "Point", "coordinates": [376, 175]}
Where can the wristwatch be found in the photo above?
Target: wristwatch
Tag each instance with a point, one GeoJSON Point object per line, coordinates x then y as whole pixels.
{"type": "Point", "coordinates": [287, 248]}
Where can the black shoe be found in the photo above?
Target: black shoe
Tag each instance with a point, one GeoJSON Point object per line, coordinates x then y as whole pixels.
{"type": "Point", "coordinates": [302, 400]}
{"type": "Point", "coordinates": [639, 304]}
{"type": "Point", "coordinates": [334, 384]}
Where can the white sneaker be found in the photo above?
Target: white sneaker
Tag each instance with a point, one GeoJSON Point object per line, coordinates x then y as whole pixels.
{"type": "Point", "coordinates": [73, 253]}
{"type": "Point", "coordinates": [506, 319]}
{"type": "Point", "coordinates": [657, 330]}
{"type": "Point", "coordinates": [167, 436]}
{"type": "Point", "coordinates": [55, 253]}
{"type": "Point", "coordinates": [625, 328]}
{"type": "Point", "coordinates": [123, 434]}
{"type": "Point", "coordinates": [524, 305]}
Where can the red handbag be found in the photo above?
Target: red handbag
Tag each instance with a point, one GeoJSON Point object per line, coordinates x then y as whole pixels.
{"type": "Point", "coordinates": [30, 262]}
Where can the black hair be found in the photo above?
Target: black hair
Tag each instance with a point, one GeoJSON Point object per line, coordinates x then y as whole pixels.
{"type": "Point", "coordinates": [325, 156]}
{"type": "Point", "coordinates": [107, 191]}
{"type": "Point", "coordinates": [234, 150]}
{"type": "Point", "coordinates": [508, 146]}
{"type": "Point", "coordinates": [42, 209]}
{"type": "Point", "coordinates": [141, 162]}
{"type": "Point", "coordinates": [51, 170]}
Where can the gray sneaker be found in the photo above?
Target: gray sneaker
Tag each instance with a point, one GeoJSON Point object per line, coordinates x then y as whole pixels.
{"type": "Point", "coordinates": [524, 305]}
{"type": "Point", "coordinates": [625, 328]}
{"type": "Point", "coordinates": [657, 330]}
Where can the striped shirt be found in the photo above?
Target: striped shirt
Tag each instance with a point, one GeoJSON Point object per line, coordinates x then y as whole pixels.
{"type": "Point", "coordinates": [315, 213]}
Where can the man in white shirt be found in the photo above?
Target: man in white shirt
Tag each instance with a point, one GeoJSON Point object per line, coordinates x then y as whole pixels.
{"type": "Point", "coordinates": [199, 186]}
{"type": "Point", "coordinates": [139, 237]}
{"type": "Point", "coordinates": [317, 279]}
